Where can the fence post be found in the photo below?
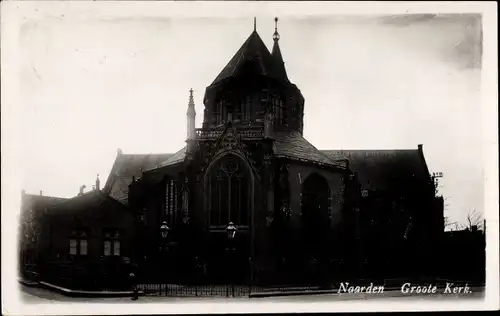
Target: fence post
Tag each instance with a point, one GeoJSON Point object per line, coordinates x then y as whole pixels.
{"type": "Point", "coordinates": [250, 275]}
{"type": "Point", "coordinates": [73, 275]}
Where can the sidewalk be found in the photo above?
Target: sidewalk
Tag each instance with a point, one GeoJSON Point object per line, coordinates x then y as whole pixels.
{"type": "Point", "coordinates": [76, 293]}
{"type": "Point", "coordinates": [303, 291]}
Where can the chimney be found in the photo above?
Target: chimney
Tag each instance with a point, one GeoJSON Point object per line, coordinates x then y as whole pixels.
{"type": "Point", "coordinates": [421, 148]}
{"type": "Point", "coordinates": [119, 152]}
{"type": "Point", "coordinates": [41, 192]}
{"type": "Point", "coordinates": [81, 189]}
{"type": "Point", "coordinates": [97, 183]}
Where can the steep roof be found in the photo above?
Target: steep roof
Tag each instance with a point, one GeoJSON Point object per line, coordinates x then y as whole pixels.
{"type": "Point", "coordinates": [172, 160]}
{"type": "Point", "coordinates": [384, 169]}
{"type": "Point", "coordinates": [34, 205]}
{"type": "Point", "coordinates": [252, 51]}
{"type": "Point", "coordinates": [83, 202]}
{"type": "Point", "coordinates": [127, 166]}
{"type": "Point", "coordinates": [293, 145]}
{"type": "Point", "coordinates": [277, 57]}
{"type": "Point", "coordinates": [41, 201]}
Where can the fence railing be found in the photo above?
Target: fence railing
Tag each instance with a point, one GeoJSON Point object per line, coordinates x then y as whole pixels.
{"type": "Point", "coordinates": [194, 290]}
{"type": "Point", "coordinates": [228, 290]}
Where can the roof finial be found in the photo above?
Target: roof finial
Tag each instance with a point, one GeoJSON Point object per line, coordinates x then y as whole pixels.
{"type": "Point", "coordinates": [276, 35]}
{"type": "Point", "coordinates": [254, 24]}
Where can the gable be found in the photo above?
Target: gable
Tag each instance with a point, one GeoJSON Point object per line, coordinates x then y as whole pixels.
{"type": "Point", "coordinates": [125, 168]}
{"type": "Point", "coordinates": [293, 145]}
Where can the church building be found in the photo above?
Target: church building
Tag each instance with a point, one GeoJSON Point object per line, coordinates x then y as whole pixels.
{"type": "Point", "coordinates": [249, 200]}
{"type": "Point", "coordinates": [250, 170]}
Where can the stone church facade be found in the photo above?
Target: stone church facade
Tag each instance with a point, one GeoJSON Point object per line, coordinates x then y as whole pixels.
{"type": "Point", "coordinates": [250, 165]}
{"type": "Point", "coordinates": [301, 214]}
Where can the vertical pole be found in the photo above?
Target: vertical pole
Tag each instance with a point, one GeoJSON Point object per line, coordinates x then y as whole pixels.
{"type": "Point", "coordinates": [234, 270]}
{"type": "Point", "coordinates": [250, 276]}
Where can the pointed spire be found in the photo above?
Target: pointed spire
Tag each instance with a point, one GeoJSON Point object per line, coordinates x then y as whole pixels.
{"type": "Point", "coordinates": [276, 53]}
{"type": "Point", "coordinates": [97, 183]}
{"type": "Point", "coordinates": [276, 35]}
{"type": "Point", "coordinates": [254, 47]}
{"type": "Point", "coordinates": [191, 115]}
{"type": "Point", "coordinates": [191, 111]}
{"type": "Point", "coordinates": [254, 24]}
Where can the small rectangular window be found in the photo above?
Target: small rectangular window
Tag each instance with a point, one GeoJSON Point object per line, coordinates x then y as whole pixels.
{"type": "Point", "coordinates": [83, 247]}
{"type": "Point", "coordinates": [116, 248]}
{"type": "Point", "coordinates": [107, 248]}
{"type": "Point", "coordinates": [73, 244]}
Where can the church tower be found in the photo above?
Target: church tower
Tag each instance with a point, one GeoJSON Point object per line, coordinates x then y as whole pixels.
{"type": "Point", "coordinates": [253, 89]}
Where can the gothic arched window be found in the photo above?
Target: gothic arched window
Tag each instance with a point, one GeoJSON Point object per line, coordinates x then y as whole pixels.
{"type": "Point", "coordinates": [171, 201]}
{"type": "Point", "coordinates": [316, 211]}
{"type": "Point", "coordinates": [229, 192]}
{"type": "Point", "coordinates": [245, 109]}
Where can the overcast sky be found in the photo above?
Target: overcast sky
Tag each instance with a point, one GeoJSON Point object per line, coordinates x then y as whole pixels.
{"type": "Point", "coordinates": [90, 84]}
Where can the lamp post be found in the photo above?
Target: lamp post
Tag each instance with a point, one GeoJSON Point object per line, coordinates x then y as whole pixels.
{"type": "Point", "coordinates": [164, 231]}
{"type": "Point", "coordinates": [231, 235]}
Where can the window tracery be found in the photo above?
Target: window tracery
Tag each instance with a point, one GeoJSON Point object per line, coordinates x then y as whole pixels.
{"type": "Point", "coordinates": [229, 192]}
{"type": "Point", "coordinates": [170, 201]}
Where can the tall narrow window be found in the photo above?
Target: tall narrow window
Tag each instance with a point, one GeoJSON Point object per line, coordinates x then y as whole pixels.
{"type": "Point", "coordinates": [107, 248]}
{"type": "Point", "coordinates": [239, 110]}
{"type": "Point", "coordinates": [284, 115]}
{"type": "Point", "coordinates": [229, 192]}
{"type": "Point", "coordinates": [73, 246]}
{"type": "Point", "coordinates": [78, 243]}
{"type": "Point", "coordinates": [218, 113]}
{"type": "Point", "coordinates": [116, 248]}
{"type": "Point", "coordinates": [111, 242]}
{"type": "Point", "coordinates": [171, 201]}
{"type": "Point", "coordinates": [248, 108]}
{"type": "Point", "coordinates": [83, 247]}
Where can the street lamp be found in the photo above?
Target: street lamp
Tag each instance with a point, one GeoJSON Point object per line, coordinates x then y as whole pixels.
{"type": "Point", "coordinates": [231, 231]}
{"type": "Point", "coordinates": [231, 234]}
{"type": "Point", "coordinates": [164, 230]}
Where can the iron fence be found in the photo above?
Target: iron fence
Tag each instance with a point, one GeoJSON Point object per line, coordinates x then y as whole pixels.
{"type": "Point", "coordinates": [194, 290]}
{"type": "Point", "coordinates": [227, 290]}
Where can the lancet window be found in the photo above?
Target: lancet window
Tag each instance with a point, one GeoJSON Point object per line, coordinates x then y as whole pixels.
{"type": "Point", "coordinates": [170, 201]}
{"type": "Point", "coordinates": [229, 192]}
{"type": "Point", "coordinates": [279, 111]}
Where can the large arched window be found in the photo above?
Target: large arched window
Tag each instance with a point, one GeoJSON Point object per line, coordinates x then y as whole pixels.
{"type": "Point", "coordinates": [229, 192]}
{"type": "Point", "coordinates": [315, 210]}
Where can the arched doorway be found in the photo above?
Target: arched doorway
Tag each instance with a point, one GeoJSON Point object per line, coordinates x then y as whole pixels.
{"type": "Point", "coordinates": [229, 193]}
{"type": "Point", "coordinates": [315, 224]}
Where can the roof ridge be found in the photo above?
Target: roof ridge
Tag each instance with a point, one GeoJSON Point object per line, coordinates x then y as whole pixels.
{"type": "Point", "coordinates": [361, 149]}
{"type": "Point", "coordinates": [146, 154]}
{"type": "Point", "coordinates": [44, 196]}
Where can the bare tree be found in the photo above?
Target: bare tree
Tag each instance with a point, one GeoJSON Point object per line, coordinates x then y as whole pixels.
{"type": "Point", "coordinates": [448, 224]}
{"type": "Point", "coordinates": [474, 219]}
